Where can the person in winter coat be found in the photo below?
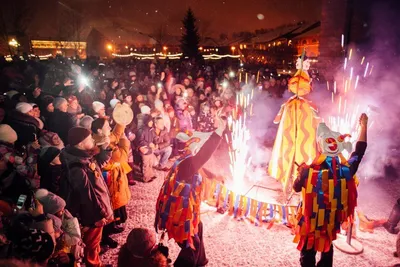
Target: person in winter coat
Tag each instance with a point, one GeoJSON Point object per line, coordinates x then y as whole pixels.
{"type": "Point", "coordinates": [141, 249]}
{"type": "Point", "coordinates": [205, 119]}
{"type": "Point", "coordinates": [49, 169]}
{"type": "Point", "coordinates": [114, 172]}
{"type": "Point", "coordinates": [68, 249]}
{"type": "Point", "coordinates": [145, 145]}
{"type": "Point", "coordinates": [46, 107]}
{"type": "Point", "coordinates": [144, 111]}
{"type": "Point", "coordinates": [60, 121]}
{"type": "Point", "coordinates": [85, 191]}
{"type": "Point", "coordinates": [183, 115]}
{"type": "Point", "coordinates": [162, 143]}
{"type": "Point", "coordinates": [75, 109]}
{"type": "Point", "coordinates": [159, 105]}
{"type": "Point", "coordinates": [23, 122]}
{"type": "Point", "coordinates": [16, 168]}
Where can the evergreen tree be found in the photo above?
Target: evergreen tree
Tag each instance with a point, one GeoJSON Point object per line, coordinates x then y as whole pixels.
{"type": "Point", "coordinates": [190, 38]}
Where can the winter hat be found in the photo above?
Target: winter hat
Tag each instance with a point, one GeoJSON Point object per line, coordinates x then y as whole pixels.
{"type": "Point", "coordinates": [7, 134]}
{"type": "Point", "coordinates": [46, 100]}
{"type": "Point", "coordinates": [97, 106]}
{"type": "Point", "coordinates": [146, 119]}
{"type": "Point", "coordinates": [145, 110]}
{"type": "Point", "coordinates": [125, 93]}
{"type": "Point", "coordinates": [34, 245]}
{"type": "Point", "coordinates": [51, 139]}
{"type": "Point", "coordinates": [23, 107]}
{"type": "Point", "coordinates": [11, 93]}
{"type": "Point", "coordinates": [132, 73]}
{"type": "Point", "coordinates": [140, 242]}
{"type": "Point", "coordinates": [77, 135]}
{"type": "Point", "coordinates": [58, 101]}
{"type": "Point", "coordinates": [34, 105]}
{"type": "Point", "coordinates": [98, 124]}
{"type": "Point", "coordinates": [48, 154]}
{"type": "Point", "coordinates": [114, 102]}
{"type": "Point", "coordinates": [51, 202]}
{"type": "Point", "coordinates": [86, 122]}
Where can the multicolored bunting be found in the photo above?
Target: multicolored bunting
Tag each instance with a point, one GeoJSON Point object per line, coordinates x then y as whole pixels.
{"type": "Point", "coordinates": [214, 193]}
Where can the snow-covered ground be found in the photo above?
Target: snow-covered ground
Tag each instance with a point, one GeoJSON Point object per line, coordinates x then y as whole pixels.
{"type": "Point", "coordinates": [232, 243]}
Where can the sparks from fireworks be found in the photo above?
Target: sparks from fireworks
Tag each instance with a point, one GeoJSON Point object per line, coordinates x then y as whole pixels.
{"type": "Point", "coordinates": [345, 119]}
{"type": "Point", "coordinates": [238, 138]}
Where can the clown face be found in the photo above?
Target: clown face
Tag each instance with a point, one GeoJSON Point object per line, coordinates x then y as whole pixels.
{"type": "Point", "coordinates": [331, 143]}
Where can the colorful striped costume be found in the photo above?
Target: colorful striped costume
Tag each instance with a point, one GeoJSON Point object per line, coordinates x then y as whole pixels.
{"type": "Point", "coordinates": [295, 139]}
{"type": "Point", "coordinates": [329, 197]}
{"type": "Point", "coordinates": [178, 207]}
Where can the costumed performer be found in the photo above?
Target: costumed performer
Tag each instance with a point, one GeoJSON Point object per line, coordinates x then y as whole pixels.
{"type": "Point", "coordinates": [295, 139]}
{"type": "Point", "coordinates": [329, 193]}
{"type": "Point", "coordinates": [178, 204]}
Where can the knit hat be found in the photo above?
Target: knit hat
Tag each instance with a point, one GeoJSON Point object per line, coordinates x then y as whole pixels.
{"type": "Point", "coordinates": [140, 242]}
{"type": "Point", "coordinates": [34, 245]}
{"type": "Point", "coordinates": [51, 202]}
{"type": "Point", "coordinates": [132, 73]}
{"type": "Point", "coordinates": [11, 93]}
{"type": "Point", "coordinates": [77, 135]}
{"type": "Point", "coordinates": [97, 106]}
{"type": "Point", "coordinates": [58, 101]}
{"type": "Point", "coordinates": [114, 102]}
{"type": "Point", "coordinates": [7, 134]}
{"type": "Point", "coordinates": [86, 122]}
{"type": "Point", "coordinates": [23, 107]}
{"type": "Point", "coordinates": [48, 154]}
{"type": "Point", "coordinates": [98, 124]}
{"type": "Point", "coordinates": [145, 110]}
{"type": "Point", "coordinates": [51, 139]}
{"type": "Point", "coordinates": [125, 93]}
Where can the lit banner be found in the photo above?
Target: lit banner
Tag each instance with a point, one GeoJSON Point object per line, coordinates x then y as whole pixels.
{"type": "Point", "coordinates": [57, 44]}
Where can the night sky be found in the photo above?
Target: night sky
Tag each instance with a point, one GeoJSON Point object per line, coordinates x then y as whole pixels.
{"type": "Point", "coordinates": [148, 16]}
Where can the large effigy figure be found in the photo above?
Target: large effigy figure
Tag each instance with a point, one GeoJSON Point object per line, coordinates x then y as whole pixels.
{"type": "Point", "coordinates": [295, 139]}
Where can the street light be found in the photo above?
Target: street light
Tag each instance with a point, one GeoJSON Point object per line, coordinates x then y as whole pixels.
{"type": "Point", "coordinates": [233, 49]}
{"type": "Point", "coordinates": [109, 47]}
{"type": "Point", "coordinates": [13, 43]}
{"type": "Point", "coordinates": [165, 48]}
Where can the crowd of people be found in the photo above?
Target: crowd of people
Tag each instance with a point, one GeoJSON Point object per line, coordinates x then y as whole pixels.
{"type": "Point", "coordinates": [67, 164]}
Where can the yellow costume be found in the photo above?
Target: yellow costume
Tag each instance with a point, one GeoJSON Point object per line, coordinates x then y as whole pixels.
{"type": "Point", "coordinates": [295, 139]}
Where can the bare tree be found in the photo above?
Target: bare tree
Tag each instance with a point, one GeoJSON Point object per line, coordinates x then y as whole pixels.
{"type": "Point", "coordinates": [15, 18]}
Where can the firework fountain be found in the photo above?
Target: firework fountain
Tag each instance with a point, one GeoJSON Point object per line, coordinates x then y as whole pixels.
{"type": "Point", "coordinates": [238, 138]}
